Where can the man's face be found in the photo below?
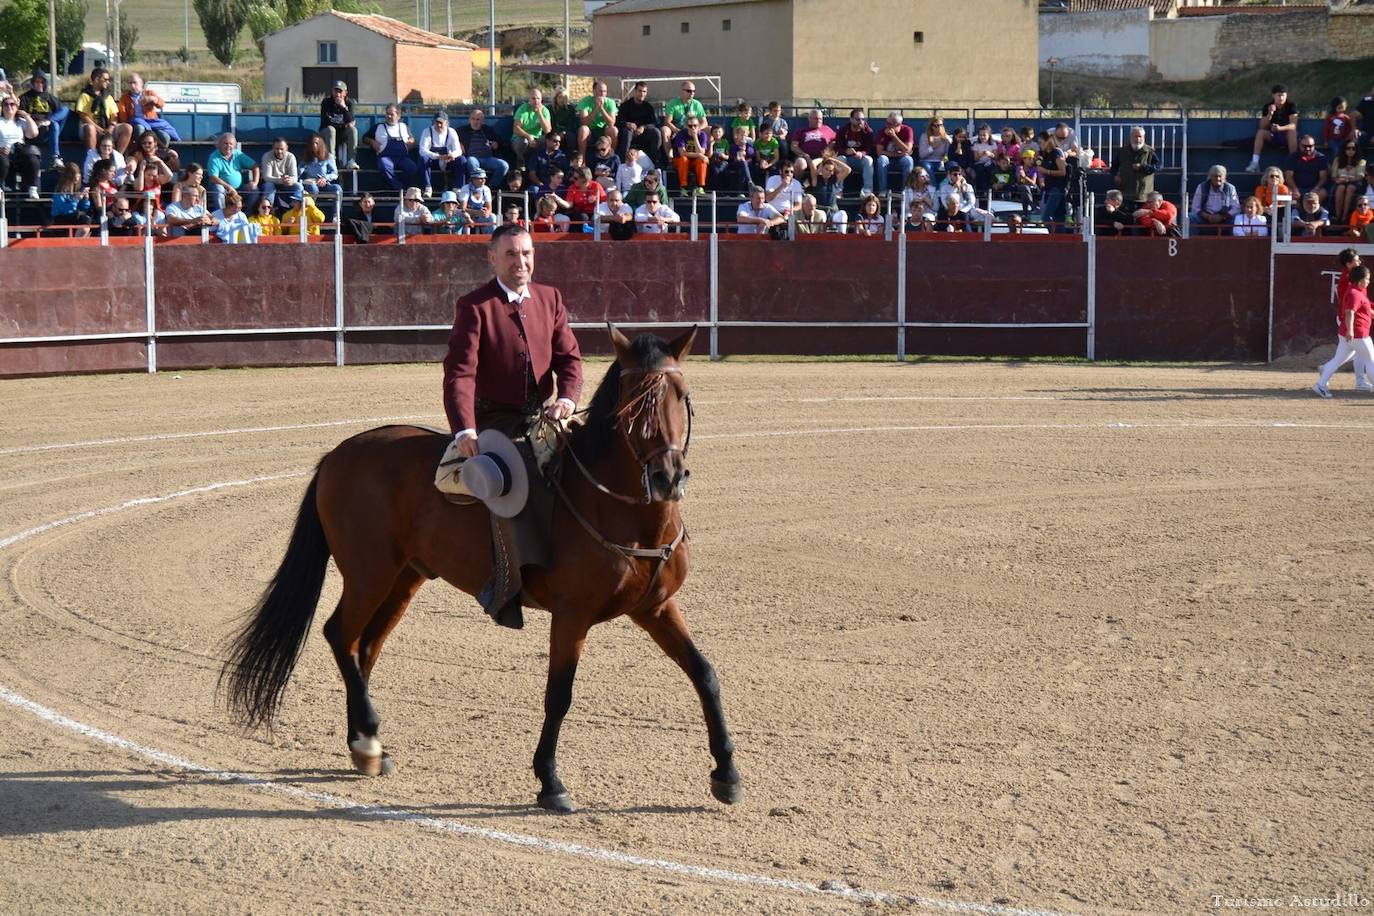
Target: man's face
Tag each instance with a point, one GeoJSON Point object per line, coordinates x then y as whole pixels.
{"type": "Point", "coordinates": [756, 199]}
{"type": "Point", "coordinates": [1218, 180]}
{"type": "Point", "coordinates": [551, 142]}
{"type": "Point", "coordinates": [135, 84]}
{"type": "Point", "coordinates": [856, 118]}
{"type": "Point", "coordinates": [393, 114]}
{"type": "Point", "coordinates": [1308, 147]}
{"type": "Point", "coordinates": [808, 205]}
{"type": "Point", "coordinates": [688, 91]}
{"type": "Point", "coordinates": [367, 203]}
{"type": "Point", "coordinates": [440, 125]}
{"type": "Point", "coordinates": [1137, 139]}
{"type": "Point", "coordinates": [1062, 132]}
{"type": "Point", "coordinates": [598, 90]}
{"type": "Point", "coordinates": [40, 84]}
{"type": "Point", "coordinates": [102, 82]}
{"type": "Point", "coordinates": [613, 199]}
{"type": "Point", "coordinates": [149, 145]}
{"type": "Point", "coordinates": [226, 146]}
{"type": "Point", "coordinates": [512, 257]}
{"type": "Point", "coordinates": [278, 150]}
{"type": "Point", "coordinates": [814, 118]}
{"type": "Point", "coordinates": [475, 119]}
{"type": "Point", "coordinates": [536, 98]}
{"type": "Point", "coordinates": [1280, 98]}
{"type": "Point", "coordinates": [641, 93]}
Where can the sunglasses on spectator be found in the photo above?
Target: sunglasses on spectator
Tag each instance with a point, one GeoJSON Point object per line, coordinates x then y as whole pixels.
{"type": "Point", "coordinates": [689, 91]}
{"type": "Point", "coordinates": [1308, 146]}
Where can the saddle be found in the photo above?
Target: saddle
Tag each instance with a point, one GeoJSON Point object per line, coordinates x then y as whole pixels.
{"type": "Point", "coordinates": [525, 539]}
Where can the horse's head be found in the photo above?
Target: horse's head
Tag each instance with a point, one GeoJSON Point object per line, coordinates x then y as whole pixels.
{"type": "Point", "coordinates": [654, 410]}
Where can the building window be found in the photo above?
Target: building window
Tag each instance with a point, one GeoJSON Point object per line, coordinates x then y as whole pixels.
{"type": "Point", "coordinates": [686, 27]}
{"type": "Point", "coordinates": [646, 31]}
{"type": "Point", "coordinates": [328, 52]}
{"type": "Point", "coordinates": [725, 25]}
{"type": "Point", "coordinates": [918, 37]}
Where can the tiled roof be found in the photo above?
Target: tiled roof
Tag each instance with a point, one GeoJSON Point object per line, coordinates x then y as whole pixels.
{"type": "Point", "coordinates": [650, 6]}
{"type": "Point", "coordinates": [1161, 7]}
{"type": "Point", "coordinates": [401, 32]}
{"type": "Point", "coordinates": [1291, 6]}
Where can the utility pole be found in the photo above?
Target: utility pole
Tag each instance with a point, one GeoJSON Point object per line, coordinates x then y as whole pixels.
{"type": "Point", "coordinates": [53, 76]}
{"type": "Point", "coordinates": [567, 36]}
{"type": "Point", "coordinates": [450, 18]}
{"type": "Point", "coordinates": [187, 14]}
{"type": "Point", "coordinates": [491, 59]}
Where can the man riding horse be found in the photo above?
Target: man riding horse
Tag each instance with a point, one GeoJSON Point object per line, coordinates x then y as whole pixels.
{"type": "Point", "coordinates": [511, 350]}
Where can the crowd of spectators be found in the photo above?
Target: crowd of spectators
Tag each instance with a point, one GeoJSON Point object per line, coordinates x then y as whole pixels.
{"type": "Point", "coordinates": [600, 162]}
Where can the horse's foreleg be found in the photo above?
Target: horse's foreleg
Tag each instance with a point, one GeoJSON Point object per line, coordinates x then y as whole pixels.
{"type": "Point", "coordinates": [669, 630]}
{"type": "Point", "coordinates": [566, 639]}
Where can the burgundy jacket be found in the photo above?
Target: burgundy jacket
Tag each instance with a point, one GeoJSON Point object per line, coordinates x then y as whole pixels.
{"type": "Point", "coordinates": [490, 343]}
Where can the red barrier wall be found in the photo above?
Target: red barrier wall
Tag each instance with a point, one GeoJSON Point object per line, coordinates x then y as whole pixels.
{"type": "Point", "coordinates": [831, 278]}
{"type": "Point", "coordinates": [1182, 299]}
{"type": "Point", "coordinates": [60, 291]}
{"type": "Point", "coordinates": [200, 287]}
{"type": "Point", "coordinates": [1304, 303]}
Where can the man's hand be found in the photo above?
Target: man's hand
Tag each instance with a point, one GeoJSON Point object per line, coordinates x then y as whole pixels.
{"type": "Point", "coordinates": [560, 409]}
{"type": "Point", "coordinates": [467, 443]}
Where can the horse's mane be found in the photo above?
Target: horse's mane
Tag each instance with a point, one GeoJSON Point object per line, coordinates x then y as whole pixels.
{"type": "Point", "coordinates": [597, 432]}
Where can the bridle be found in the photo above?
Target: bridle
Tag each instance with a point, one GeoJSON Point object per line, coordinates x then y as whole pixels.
{"type": "Point", "coordinates": [643, 405]}
{"type": "Point", "coordinates": [641, 409]}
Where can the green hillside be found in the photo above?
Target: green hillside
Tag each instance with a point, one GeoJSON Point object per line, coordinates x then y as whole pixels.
{"type": "Point", "coordinates": [162, 23]}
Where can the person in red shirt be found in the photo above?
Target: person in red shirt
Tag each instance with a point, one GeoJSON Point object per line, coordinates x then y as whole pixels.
{"type": "Point", "coordinates": [1348, 259]}
{"type": "Point", "coordinates": [1353, 327]}
{"type": "Point", "coordinates": [584, 195]}
{"type": "Point", "coordinates": [809, 144]}
{"type": "Point", "coordinates": [1158, 216]}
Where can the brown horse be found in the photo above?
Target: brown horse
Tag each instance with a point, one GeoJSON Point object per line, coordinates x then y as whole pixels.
{"type": "Point", "coordinates": [619, 547]}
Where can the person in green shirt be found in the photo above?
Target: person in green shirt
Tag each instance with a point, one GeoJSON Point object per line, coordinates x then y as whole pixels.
{"type": "Point", "coordinates": [744, 117]}
{"type": "Point", "coordinates": [678, 110]}
{"type": "Point", "coordinates": [652, 185]}
{"type": "Point", "coordinates": [597, 112]}
{"type": "Point", "coordinates": [532, 122]}
{"type": "Point", "coordinates": [767, 149]}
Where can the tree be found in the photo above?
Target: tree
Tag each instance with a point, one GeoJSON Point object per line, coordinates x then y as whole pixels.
{"type": "Point", "coordinates": [263, 20]}
{"type": "Point", "coordinates": [128, 36]}
{"type": "Point", "coordinates": [71, 31]}
{"type": "Point", "coordinates": [23, 34]}
{"type": "Point", "coordinates": [222, 21]}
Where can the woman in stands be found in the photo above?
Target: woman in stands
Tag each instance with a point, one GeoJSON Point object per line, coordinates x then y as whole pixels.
{"type": "Point", "coordinates": [193, 176]}
{"type": "Point", "coordinates": [830, 175]}
{"type": "Point", "coordinates": [584, 195]}
{"type": "Point", "coordinates": [1251, 220]}
{"type": "Point", "coordinates": [262, 216]}
{"type": "Point", "coordinates": [319, 173]}
{"type": "Point", "coordinates": [103, 189]}
{"type": "Point", "coordinates": [17, 128]}
{"type": "Point", "coordinates": [1271, 186]}
{"type": "Point", "coordinates": [70, 205]}
{"type": "Point", "coordinates": [961, 149]}
{"type": "Point", "coordinates": [934, 145]}
{"type": "Point", "coordinates": [870, 219]}
{"type": "Point", "coordinates": [1009, 145]}
{"type": "Point", "coordinates": [563, 114]}
{"type": "Point", "coordinates": [149, 171]}
{"type": "Point", "coordinates": [1347, 180]}
{"type": "Point", "coordinates": [918, 198]}
{"type": "Point", "coordinates": [984, 158]}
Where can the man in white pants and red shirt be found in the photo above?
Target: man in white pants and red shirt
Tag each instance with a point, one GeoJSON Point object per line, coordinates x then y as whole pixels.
{"type": "Point", "coordinates": [1354, 324]}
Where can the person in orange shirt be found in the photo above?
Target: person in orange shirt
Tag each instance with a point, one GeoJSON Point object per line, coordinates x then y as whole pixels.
{"type": "Point", "coordinates": [130, 106]}
{"type": "Point", "coordinates": [1270, 187]}
{"type": "Point", "coordinates": [1158, 216]}
{"type": "Point", "coordinates": [1360, 219]}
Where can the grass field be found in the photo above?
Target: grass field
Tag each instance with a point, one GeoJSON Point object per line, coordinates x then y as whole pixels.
{"type": "Point", "coordinates": [162, 23]}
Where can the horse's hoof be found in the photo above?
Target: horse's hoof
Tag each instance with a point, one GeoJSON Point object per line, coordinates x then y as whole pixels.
{"type": "Point", "coordinates": [559, 804]}
{"type": "Point", "coordinates": [726, 792]}
{"type": "Point", "coordinates": [369, 765]}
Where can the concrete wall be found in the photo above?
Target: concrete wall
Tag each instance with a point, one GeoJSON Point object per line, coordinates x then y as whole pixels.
{"type": "Point", "coordinates": [435, 74]}
{"type": "Point", "coordinates": [1181, 49]}
{"type": "Point", "coordinates": [287, 51]}
{"type": "Point", "coordinates": [754, 58]}
{"type": "Point", "coordinates": [838, 45]}
{"type": "Point", "coordinates": [1198, 47]}
{"type": "Point", "coordinates": [1115, 43]}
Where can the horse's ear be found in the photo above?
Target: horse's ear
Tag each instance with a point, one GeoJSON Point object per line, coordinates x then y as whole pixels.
{"type": "Point", "coordinates": [681, 345]}
{"type": "Point", "coordinates": [621, 344]}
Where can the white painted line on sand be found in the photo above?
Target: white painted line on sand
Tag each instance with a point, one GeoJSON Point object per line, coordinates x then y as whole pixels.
{"type": "Point", "coordinates": [960, 427]}
{"type": "Point", "coordinates": [328, 800]}
{"type": "Point", "coordinates": [165, 437]}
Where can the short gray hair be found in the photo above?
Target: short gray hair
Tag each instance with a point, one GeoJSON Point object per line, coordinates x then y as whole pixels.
{"type": "Point", "coordinates": [1216, 170]}
{"type": "Point", "coordinates": [1114, 195]}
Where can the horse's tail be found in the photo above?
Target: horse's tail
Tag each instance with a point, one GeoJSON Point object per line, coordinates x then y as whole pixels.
{"type": "Point", "coordinates": [263, 654]}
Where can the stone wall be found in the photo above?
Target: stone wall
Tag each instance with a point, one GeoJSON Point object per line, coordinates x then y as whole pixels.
{"type": "Point", "coordinates": [1115, 43]}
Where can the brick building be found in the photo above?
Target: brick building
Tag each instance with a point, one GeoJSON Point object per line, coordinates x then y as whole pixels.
{"type": "Point", "coordinates": [381, 59]}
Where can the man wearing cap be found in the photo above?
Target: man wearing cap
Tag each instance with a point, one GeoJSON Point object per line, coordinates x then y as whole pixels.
{"type": "Point", "coordinates": [450, 219]}
{"type": "Point", "coordinates": [440, 152]}
{"type": "Point", "coordinates": [47, 112]}
{"type": "Point", "coordinates": [477, 202]}
{"type": "Point", "coordinates": [511, 357]}
{"type": "Point", "coordinates": [336, 124]}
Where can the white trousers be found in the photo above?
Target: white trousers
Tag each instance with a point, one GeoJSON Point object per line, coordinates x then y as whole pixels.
{"type": "Point", "coordinates": [1361, 350]}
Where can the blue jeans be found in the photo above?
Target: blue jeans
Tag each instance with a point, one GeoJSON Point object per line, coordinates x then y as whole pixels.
{"type": "Point", "coordinates": [249, 195]}
{"type": "Point", "coordinates": [495, 167]}
{"type": "Point", "coordinates": [324, 192]}
{"type": "Point", "coordinates": [1052, 207]}
{"type": "Point", "coordinates": [864, 163]}
{"type": "Point", "coordinates": [885, 162]}
{"type": "Point", "coordinates": [50, 135]}
{"type": "Point", "coordinates": [456, 170]}
{"type": "Point", "coordinates": [269, 190]}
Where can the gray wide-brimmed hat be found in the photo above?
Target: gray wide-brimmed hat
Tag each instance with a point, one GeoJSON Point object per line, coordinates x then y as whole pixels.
{"type": "Point", "coordinates": [496, 475]}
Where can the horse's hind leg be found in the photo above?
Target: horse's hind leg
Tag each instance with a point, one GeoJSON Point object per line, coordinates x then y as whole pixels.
{"type": "Point", "coordinates": [360, 605]}
{"type": "Point", "coordinates": [669, 630]}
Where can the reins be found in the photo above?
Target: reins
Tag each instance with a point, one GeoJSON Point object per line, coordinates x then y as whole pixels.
{"type": "Point", "coordinates": [643, 404]}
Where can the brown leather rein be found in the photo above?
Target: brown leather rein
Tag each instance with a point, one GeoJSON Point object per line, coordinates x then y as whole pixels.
{"type": "Point", "coordinates": [644, 404]}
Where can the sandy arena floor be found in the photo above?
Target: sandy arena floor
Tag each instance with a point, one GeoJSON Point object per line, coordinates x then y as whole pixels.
{"type": "Point", "coordinates": [1052, 637]}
